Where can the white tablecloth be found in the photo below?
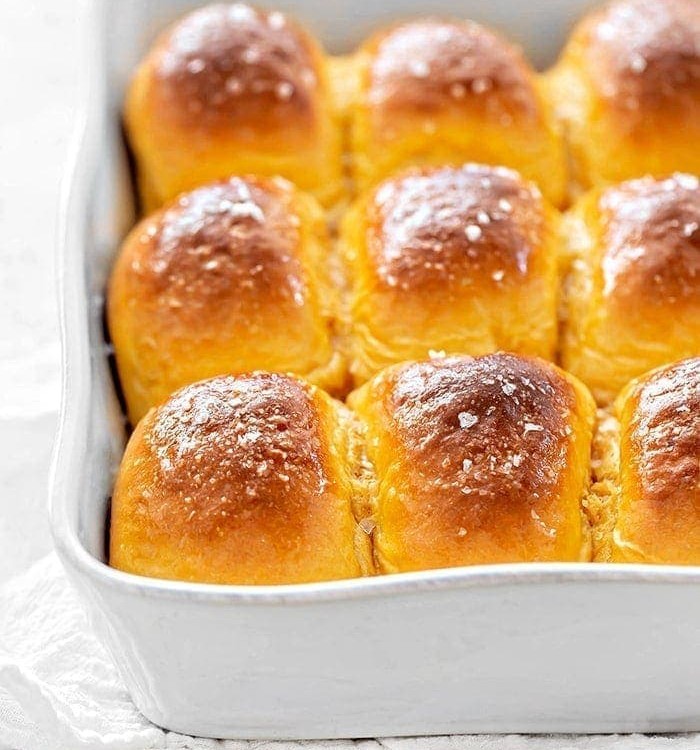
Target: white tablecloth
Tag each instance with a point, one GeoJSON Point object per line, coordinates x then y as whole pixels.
{"type": "Point", "coordinates": [40, 85]}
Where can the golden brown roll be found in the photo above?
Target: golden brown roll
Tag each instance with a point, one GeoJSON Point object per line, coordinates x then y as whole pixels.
{"type": "Point", "coordinates": [245, 479]}
{"type": "Point", "coordinates": [231, 277]}
{"type": "Point", "coordinates": [633, 290]}
{"type": "Point", "coordinates": [233, 90]}
{"type": "Point", "coordinates": [481, 460]}
{"type": "Point", "coordinates": [453, 259]}
{"type": "Point", "coordinates": [433, 91]}
{"type": "Point", "coordinates": [627, 87]}
{"type": "Point", "coordinates": [651, 463]}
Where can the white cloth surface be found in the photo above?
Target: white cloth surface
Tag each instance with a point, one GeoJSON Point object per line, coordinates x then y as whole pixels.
{"type": "Point", "coordinates": [59, 690]}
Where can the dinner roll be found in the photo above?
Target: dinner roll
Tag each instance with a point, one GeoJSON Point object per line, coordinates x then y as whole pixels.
{"type": "Point", "coordinates": [454, 259]}
{"type": "Point", "coordinates": [232, 90]}
{"type": "Point", "coordinates": [246, 479]}
{"type": "Point", "coordinates": [231, 277]}
{"type": "Point", "coordinates": [627, 87]}
{"type": "Point", "coordinates": [654, 510]}
{"type": "Point", "coordinates": [481, 460]}
{"type": "Point", "coordinates": [633, 291]}
{"type": "Point", "coordinates": [435, 91]}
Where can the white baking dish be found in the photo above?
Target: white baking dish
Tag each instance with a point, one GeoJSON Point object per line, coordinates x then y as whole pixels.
{"type": "Point", "coordinates": [508, 648]}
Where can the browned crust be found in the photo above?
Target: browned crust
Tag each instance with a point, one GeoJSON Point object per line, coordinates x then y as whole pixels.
{"type": "Point", "coordinates": [652, 241]}
{"type": "Point", "coordinates": [487, 436]}
{"type": "Point", "coordinates": [428, 64]}
{"type": "Point", "coordinates": [644, 55]}
{"type": "Point", "coordinates": [233, 66]}
{"type": "Point", "coordinates": [660, 450]}
{"type": "Point", "coordinates": [232, 243]}
{"type": "Point", "coordinates": [232, 454]}
{"type": "Point", "coordinates": [443, 227]}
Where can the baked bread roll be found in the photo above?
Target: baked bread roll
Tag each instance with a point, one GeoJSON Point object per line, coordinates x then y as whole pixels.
{"type": "Point", "coordinates": [245, 479]}
{"type": "Point", "coordinates": [481, 460]}
{"type": "Point", "coordinates": [632, 296]}
{"type": "Point", "coordinates": [439, 92]}
{"type": "Point", "coordinates": [233, 90]}
{"type": "Point", "coordinates": [627, 88]}
{"type": "Point", "coordinates": [455, 259]}
{"type": "Point", "coordinates": [651, 469]}
{"type": "Point", "coordinates": [231, 277]}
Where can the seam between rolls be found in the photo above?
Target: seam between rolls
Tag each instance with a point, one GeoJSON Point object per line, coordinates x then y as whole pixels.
{"type": "Point", "coordinates": [603, 493]}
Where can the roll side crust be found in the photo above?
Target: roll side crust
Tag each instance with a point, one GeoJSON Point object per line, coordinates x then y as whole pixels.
{"type": "Point", "coordinates": [632, 291]}
{"type": "Point", "coordinates": [233, 90]}
{"type": "Point", "coordinates": [477, 461]}
{"type": "Point", "coordinates": [658, 518]}
{"type": "Point", "coordinates": [459, 260]}
{"type": "Point", "coordinates": [434, 92]}
{"type": "Point", "coordinates": [627, 89]}
{"type": "Point", "coordinates": [231, 277]}
{"type": "Point", "coordinates": [243, 479]}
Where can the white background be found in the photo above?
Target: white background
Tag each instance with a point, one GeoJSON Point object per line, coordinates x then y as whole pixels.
{"type": "Point", "coordinates": [40, 86]}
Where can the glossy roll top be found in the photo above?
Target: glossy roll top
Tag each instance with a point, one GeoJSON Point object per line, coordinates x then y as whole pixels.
{"type": "Point", "coordinates": [434, 91]}
{"type": "Point", "coordinates": [477, 461]}
{"type": "Point", "coordinates": [455, 259]}
{"type": "Point", "coordinates": [658, 519]}
{"type": "Point", "coordinates": [231, 277]}
{"type": "Point", "coordinates": [633, 292]}
{"type": "Point", "coordinates": [240, 480]}
{"type": "Point", "coordinates": [628, 88]}
{"type": "Point", "coordinates": [231, 89]}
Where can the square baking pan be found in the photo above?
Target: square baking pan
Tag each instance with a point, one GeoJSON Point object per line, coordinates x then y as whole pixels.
{"type": "Point", "coordinates": [503, 648]}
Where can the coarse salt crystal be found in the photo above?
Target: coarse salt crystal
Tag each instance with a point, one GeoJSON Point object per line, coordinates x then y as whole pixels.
{"type": "Point", "coordinates": [275, 20]}
{"type": "Point", "coordinates": [196, 66]}
{"type": "Point", "coordinates": [233, 85]}
{"type": "Point", "coordinates": [284, 90]}
{"type": "Point", "coordinates": [467, 420]}
{"type": "Point", "coordinates": [508, 388]}
{"type": "Point", "coordinates": [473, 232]}
{"type": "Point", "coordinates": [479, 85]}
{"type": "Point", "coordinates": [419, 68]}
{"type": "Point", "coordinates": [638, 64]}
{"type": "Point", "coordinates": [458, 90]}
{"type": "Point", "coordinates": [251, 55]}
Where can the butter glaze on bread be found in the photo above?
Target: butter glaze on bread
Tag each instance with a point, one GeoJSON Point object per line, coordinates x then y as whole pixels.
{"type": "Point", "coordinates": [658, 519]}
{"type": "Point", "coordinates": [240, 480]}
{"type": "Point", "coordinates": [434, 91]}
{"type": "Point", "coordinates": [264, 479]}
{"type": "Point", "coordinates": [628, 88]}
{"type": "Point", "coordinates": [633, 291]}
{"type": "Point", "coordinates": [454, 259]}
{"type": "Point", "coordinates": [477, 461]}
{"type": "Point", "coordinates": [233, 90]}
{"type": "Point", "coordinates": [231, 277]}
